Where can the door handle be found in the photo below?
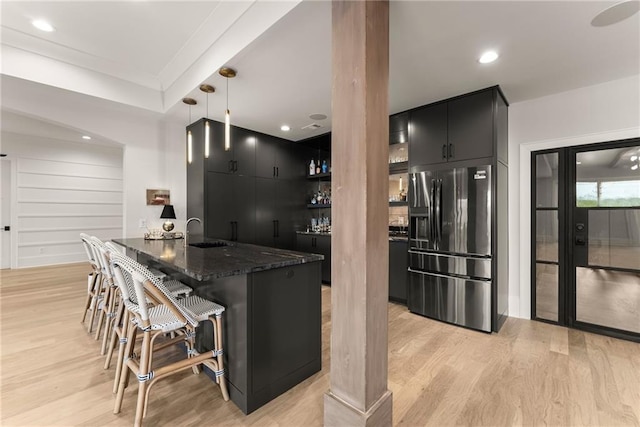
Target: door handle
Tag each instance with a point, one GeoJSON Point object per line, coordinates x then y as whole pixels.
{"type": "Point", "coordinates": [235, 166]}
{"type": "Point", "coordinates": [439, 210]}
{"type": "Point", "coordinates": [277, 228]}
{"type": "Point", "coordinates": [275, 233]}
{"type": "Point", "coordinates": [451, 151]}
{"type": "Point", "coordinates": [444, 151]}
{"type": "Point", "coordinates": [580, 241]}
{"type": "Point", "coordinates": [277, 171]}
{"type": "Point", "coordinates": [432, 212]}
{"type": "Point", "coordinates": [232, 230]}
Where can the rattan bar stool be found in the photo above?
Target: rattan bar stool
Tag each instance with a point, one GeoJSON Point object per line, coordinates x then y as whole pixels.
{"type": "Point", "coordinates": [168, 315]}
{"type": "Point", "coordinates": [94, 283]}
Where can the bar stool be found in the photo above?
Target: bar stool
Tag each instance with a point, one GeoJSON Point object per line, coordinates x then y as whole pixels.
{"type": "Point", "coordinates": [94, 283]}
{"type": "Point", "coordinates": [168, 315]}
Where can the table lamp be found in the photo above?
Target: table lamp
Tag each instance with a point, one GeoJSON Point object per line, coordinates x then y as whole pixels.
{"type": "Point", "coordinates": [168, 213]}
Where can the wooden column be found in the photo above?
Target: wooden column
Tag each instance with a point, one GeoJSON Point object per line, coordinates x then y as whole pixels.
{"type": "Point", "coordinates": [360, 212]}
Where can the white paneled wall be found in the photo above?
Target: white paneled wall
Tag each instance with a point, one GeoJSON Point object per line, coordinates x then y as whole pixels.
{"type": "Point", "coordinates": [63, 189]}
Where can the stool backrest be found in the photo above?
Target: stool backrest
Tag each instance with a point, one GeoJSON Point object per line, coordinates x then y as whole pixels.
{"type": "Point", "coordinates": [146, 285]}
{"type": "Point", "coordinates": [88, 248]}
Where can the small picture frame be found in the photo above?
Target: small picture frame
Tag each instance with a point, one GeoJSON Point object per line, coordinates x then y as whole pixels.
{"type": "Point", "coordinates": [158, 197]}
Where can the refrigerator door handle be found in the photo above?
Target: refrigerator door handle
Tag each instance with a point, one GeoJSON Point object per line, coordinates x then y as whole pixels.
{"type": "Point", "coordinates": [432, 222]}
{"type": "Point", "coordinates": [438, 225]}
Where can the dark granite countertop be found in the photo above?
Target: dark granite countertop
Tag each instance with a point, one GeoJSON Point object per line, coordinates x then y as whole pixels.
{"type": "Point", "coordinates": [211, 263]}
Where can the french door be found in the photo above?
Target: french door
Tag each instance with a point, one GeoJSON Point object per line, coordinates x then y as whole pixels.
{"type": "Point", "coordinates": [586, 250]}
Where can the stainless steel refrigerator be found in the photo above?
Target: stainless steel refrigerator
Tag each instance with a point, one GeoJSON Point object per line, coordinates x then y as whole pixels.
{"type": "Point", "coordinates": [450, 245]}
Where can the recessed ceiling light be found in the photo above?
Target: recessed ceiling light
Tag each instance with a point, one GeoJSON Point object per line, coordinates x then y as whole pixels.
{"type": "Point", "coordinates": [285, 128]}
{"type": "Point", "coordinates": [634, 158]}
{"type": "Point", "coordinates": [86, 137]}
{"type": "Point", "coordinates": [318, 116]}
{"type": "Point", "coordinates": [488, 56]}
{"type": "Point", "coordinates": [42, 25]}
{"type": "Point", "coordinates": [616, 13]}
{"type": "Point", "coordinates": [634, 167]}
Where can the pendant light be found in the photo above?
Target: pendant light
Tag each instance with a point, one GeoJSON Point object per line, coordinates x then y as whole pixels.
{"type": "Point", "coordinates": [189, 102]}
{"type": "Point", "coordinates": [227, 73]}
{"type": "Point", "coordinates": [207, 132]}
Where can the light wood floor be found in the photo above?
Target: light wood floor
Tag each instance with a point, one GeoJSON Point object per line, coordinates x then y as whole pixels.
{"type": "Point", "coordinates": [531, 373]}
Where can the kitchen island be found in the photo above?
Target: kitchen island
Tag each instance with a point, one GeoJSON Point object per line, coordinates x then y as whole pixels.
{"type": "Point", "coordinates": [272, 321]}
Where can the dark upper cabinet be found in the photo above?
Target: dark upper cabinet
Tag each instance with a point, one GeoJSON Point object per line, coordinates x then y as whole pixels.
{"type": "Point", "coordinates": [470, 126]}
{"type": "Point", "coordinates": [462, 128]}
{"type": "Point", "coordinates": [239, 159]}
{"type": "Point", "coordinates": [278, 159]}
{"type": "Point", "coordinates": [244, 189]}
{"type": "Point", "coordinates": [399, 128]}
{"type": "Point", "coordinates": [428, 135]}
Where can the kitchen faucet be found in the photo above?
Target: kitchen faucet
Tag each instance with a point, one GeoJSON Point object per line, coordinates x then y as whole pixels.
{"type": "Point", "coordinates": [186, 229]}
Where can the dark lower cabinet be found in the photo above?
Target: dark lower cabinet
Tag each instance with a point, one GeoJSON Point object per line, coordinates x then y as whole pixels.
{"type": "Point", "coordinates": [230, 207]}
{"type": "Point", "coordinates": [277, 204]}
{"type": "Point", "coordinates": [317, 244]}
{"type": "Point", "coordinates": [398, 264]}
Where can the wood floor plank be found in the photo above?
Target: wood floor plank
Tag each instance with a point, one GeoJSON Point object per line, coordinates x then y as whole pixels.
{"type": "Point", "coordinates": [531, 373]}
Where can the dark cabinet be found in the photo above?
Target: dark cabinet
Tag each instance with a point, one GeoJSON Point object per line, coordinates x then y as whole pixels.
{"type": "Point", "coordinates": [241, 157]}
{"type": "Point", "coordinates": [428, 135]}
{"type": "Point", "coordinates": [398, 264]}
{"type": "Point", "coordinates": [398, 128]}
{"type": "Point", "coordinates": [317, 244]}
{"type": "Point", "coordinates": [470, 126]}
{"type": "Point", "coordinates": [462, 128]}
{"type": "Point", "coordinates": [277, 205]}
{"type": "Point", "coordinates": [278, 159]}
{"type": "Point", "coordinates": [230, 207]}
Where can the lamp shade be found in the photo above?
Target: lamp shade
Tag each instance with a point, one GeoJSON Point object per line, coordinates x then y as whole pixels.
{"type": "Point", "coordinates": [168, 212]}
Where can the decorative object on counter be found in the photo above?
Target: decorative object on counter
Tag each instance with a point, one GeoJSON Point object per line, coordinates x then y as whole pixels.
{"type": "Point", "coordinates": [168, 213]}
{"type": "Point", "coordinates": [312, 168]}
{"type": "Point", "coordinates": [190, 102]}
{"type": "Point", "coordinates": [227, 73]}
{"type": "Point", "coordinates": [158, 197]}
{"type": "Point", "coordinates": [207, 132]}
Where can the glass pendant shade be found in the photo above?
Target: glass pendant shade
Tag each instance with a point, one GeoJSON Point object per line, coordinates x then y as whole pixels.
{"type": "Point", "coordinates": [189, 148]}
{"type": "Point", "coordinates": [227, 130]}
{"type": "Point", "coordinates": [207, 139]}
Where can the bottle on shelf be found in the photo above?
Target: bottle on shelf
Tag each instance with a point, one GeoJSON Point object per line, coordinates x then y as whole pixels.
{"type": "Point", "coordinates": [318, 166]}
{"type": "Point", "coordinates": [312, 168]}
{"type": "Point", "coordinates": [314, 199]}
{"type": "Point", "coordinates": [325, 168]}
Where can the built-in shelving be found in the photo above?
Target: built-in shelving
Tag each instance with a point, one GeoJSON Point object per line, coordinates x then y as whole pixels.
{"type": "Point", "coordinates": [321, 176]}
{"type": "Point", "coordinates": [317, 206]}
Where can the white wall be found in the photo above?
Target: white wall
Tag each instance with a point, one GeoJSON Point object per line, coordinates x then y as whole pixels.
{"type": "Point", "coordinates": [599, 113]}
{"type": "Point", "coordinates": [154, 154]}
{"type": "Point", "coordinates": [61, 189]}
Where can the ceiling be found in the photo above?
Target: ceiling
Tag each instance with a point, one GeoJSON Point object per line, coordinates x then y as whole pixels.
{"type": "Point", "coordinates": [150, 54]}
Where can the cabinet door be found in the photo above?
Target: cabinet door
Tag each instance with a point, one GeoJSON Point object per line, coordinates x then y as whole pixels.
{"type": "Point", "coordinates": [219, 160]}
{"type": "Point", "coordinates": [266, 151]}
{"type": "Point", "coordinates": [266, 202]}
{"type": "Point", "coordinates": [244, 192]}
{"type": "Point", "coordinates": [398, 264]}
{"type": "Point", "coordinates": [219, 201]}
{"type": "Point", "coordinates": [323, 246]}
{"type": "Point", "coordinates": [291, 161]}
{"type": "Point", "coordinates": [304, 243]}
{"type": "Point", "coordinates": [471, 126]}
{"type": "Point", "coordinates": [243, 143]}
{"type": "Point", "coordinates": [195, 173]}
{"type": "Point", "coordinates": [428, 135]}
{"type": "Point", "coordinates": [398, 128]}
{"type": "Point", "coordinates": [290, 212]}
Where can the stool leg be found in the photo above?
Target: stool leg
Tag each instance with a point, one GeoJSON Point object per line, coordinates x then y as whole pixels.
{"type": "Point", "coordinates": [102, 313]}
{"type": "Point", "coordinates": [91, 280]}
{"type": "Point", "coordinates": [124, 332]}
{"type": "Point", "coordinates": [143, 372]}
{"type": "Point", "coordinates": [217, 337]}
{"type": "Point", "coordinates": [131, 339]}
{"type": "Point", "coordinates": [116, 333]}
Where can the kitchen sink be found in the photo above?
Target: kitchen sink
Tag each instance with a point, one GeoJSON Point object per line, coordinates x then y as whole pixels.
{"type": "Point", "coordinates": [204, 245]}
